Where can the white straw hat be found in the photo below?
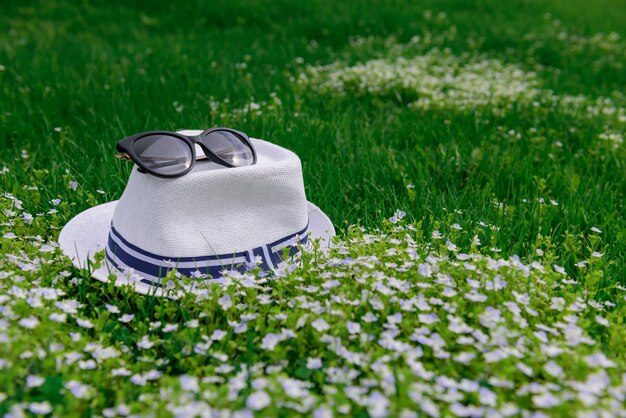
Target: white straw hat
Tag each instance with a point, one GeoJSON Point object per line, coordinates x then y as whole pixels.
{"type": "Point", "coordinates": [206, 221]}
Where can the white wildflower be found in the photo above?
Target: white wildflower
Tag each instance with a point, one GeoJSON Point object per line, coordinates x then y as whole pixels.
{"type": "Point", "coordinates": [31, 322]}
{"type": "Point", "coordinates": [192, 323]}
{"type": "Point", "coordinates": [599, 359]}
{"type": "Point", "coordinates": [399, 215]}
{"type": "Point", "coordinates": [78, 389]}
{"type": "Point", "coordinates": [84, 323]}
{"type": "Point", "coordinates": [33, 381]}
{"type": "Point", "coordinates": [270, 341]}
{"type": "Point", "coordinates": [170, 328]}
{"type": "Point", "coordinates": [189, 383]}
{"type": "Point", "coordinates": [553, 369]}
{"type": "Point", "coordinates": [602, 321]}
{"type": "Point", "coordinates": [27, 218]}
{"type": "Point", "coordinates": [40, 408]}
{"type": "Point", "coordinates": [258, 400]}
{"type": "Point", "coordinates": [145, 343]}
{"type": "Point", "coordinates": [225, 302]}
{"type": "Point", "coordinates": [126, 318]}
{"type": "Point", "coordinates": [353, 327]}
{"type": "Point", "coordinates": [314, 363]}
{"type": "Point", "coordinates": [112, 308]}
{"type": "Point", "coordinates": [545, 400]}
{"type": "Point", "coordinates": [320, 325]}
{"type": "Point", "coordinates": [218, 335]}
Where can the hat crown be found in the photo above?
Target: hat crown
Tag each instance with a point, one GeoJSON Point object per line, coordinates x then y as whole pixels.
{"type": "Point", "coordinates": [215, 210]}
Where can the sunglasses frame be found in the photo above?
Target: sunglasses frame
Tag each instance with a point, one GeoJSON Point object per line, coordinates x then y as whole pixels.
{"type": "Point", "coordinates": [126, 152]}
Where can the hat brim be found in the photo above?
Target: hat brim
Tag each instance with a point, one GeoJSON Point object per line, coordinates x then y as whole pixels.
{"type": "Point", "coordinates": [87, 233]}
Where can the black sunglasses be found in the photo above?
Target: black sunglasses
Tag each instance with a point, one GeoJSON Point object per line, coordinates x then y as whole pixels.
{"type": "Point", "coordinates": [172, 154]}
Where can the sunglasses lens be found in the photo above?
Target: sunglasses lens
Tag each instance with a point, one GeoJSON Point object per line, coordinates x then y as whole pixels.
{"type": "Point", "coordinates": [163, 154]}
{"type": "Point", "coordinates": [230, 147]}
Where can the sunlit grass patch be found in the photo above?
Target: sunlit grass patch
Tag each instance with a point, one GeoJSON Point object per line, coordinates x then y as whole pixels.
{"type": "Point", "coordinates": [435, 79]}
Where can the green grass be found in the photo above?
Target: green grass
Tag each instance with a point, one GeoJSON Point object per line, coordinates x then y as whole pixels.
{"type": "Point", "coordinates": [101, 71]}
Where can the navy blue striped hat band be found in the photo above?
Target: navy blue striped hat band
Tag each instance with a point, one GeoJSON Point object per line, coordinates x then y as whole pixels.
{"type": "Point", "coordinates": [123, 255]}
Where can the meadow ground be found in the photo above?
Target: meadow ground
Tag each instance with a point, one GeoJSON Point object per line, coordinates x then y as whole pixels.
{"type": "Point", "coordinates": [470, 154]}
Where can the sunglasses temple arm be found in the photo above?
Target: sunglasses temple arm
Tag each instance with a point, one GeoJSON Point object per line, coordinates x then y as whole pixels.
{"type": "Point", "coordinates": [123, 156]}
